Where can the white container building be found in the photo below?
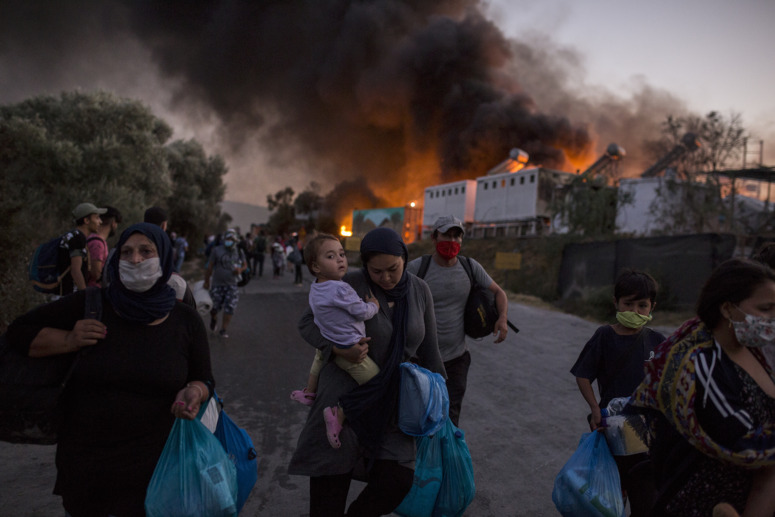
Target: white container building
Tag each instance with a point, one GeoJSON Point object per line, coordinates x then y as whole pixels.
{"type": "Point", "coordinates": [457, 198]}
{"type": "Point", "coordinates": [516, 203]}
{"type": "Point", "coordinates": [634, 216]}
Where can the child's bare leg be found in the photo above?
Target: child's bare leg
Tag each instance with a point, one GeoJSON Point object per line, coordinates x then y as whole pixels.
{"type": "Point", "coordinates": [761, 498]}
{"type": "Point", "coordinates": [309, 393]}
{"type": "Point", "coordinates": [312, 384]}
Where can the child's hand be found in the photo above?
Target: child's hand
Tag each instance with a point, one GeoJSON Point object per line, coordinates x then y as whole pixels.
{"type": "Point", "coordinates": [596, 420]}
{"type": "Point", "coordinates": [370, 298]}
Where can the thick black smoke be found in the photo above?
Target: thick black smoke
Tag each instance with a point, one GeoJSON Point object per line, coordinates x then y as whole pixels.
{"type": "Point", "coordinates": [401, 94]}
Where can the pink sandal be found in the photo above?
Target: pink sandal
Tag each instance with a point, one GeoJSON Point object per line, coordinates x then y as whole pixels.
{"type": "Point", "coordinates": [303, 396]}
{"type": "Point", "coordinates": [333, 427]}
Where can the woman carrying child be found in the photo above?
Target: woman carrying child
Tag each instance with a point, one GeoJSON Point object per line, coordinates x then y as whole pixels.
{"type": "Point", "coordinates": [615, 356]}
{"type": "Point", "coordinates": [339, 313]}
{"type": "Point", "coordinates": [403, 328]}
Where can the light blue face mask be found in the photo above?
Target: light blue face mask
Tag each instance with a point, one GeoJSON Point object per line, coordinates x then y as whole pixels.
{"type": "Point", "coordinates": [632, 320]}
{"type": "Point", "coordinates": [228, 243]}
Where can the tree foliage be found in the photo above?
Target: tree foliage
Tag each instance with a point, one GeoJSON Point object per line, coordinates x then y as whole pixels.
{"type": "Point", "coordinates": [59, 151]}
{"type": "Point", "coordinates": [721, 138]}
{"type": "Point", "coordinates": [309, 209]}
{"type": "Point", "coordinates": [309, 202]}
{"type": "Point", "coordinates": [283, 220]}
{"type": "Point", "coordinates": [692, 198]}
{"type": "Point", "coordinates": [586, 208]}
{"type": "Point", "coordinates": [197, 188]}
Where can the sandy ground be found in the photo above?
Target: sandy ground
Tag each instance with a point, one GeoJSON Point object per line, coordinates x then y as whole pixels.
{"type": "Point", "coordinates": [522, 415]}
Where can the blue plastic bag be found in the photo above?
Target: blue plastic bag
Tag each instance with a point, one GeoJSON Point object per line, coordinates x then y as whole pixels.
{"type": "Point", "coordinates": [588, 484]}
{"type": "Point", "coordinates": [421, 499]}
{"type": "Point", "coordinates": [423, 403]}
{"type": "Point", "coordinates": [457, 481]}
{"type": "Point", "coordinates": [240, 450]}
{"type": "Point", "coordinates": [193, 477]}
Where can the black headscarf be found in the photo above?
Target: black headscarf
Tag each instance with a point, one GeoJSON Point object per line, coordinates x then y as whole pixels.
{"type": "Point", "coordinates": [157, 301]}
{"type": "Point", "coordinates": [371, 406]}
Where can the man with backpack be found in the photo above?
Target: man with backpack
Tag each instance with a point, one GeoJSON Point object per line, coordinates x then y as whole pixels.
{"type": "Point", "coordinates": [450, 283]}
{"type": "Point", "coordinates": [97, 244]}
{"type": "Point", "coordinates": [72, 248]}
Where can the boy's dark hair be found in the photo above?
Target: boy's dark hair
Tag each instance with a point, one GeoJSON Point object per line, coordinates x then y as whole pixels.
{"type": "Point", "coordinates": [312, 249]}
{"type": "Point", "coordinates": [111, 215]}
{"type": "Point", "coordinates": [733, 281]}
{"type": "Point", "coordinates": [766, 254]}
{"type": "Point", "coordinates": [155, 215]}
{"type": "Point", "coordinates": [637, 284]}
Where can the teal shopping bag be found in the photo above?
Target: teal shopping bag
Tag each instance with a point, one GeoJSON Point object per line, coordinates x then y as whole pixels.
{"type": "Point", "coordinates": [588, 483]}
{"type": "Point", "coordinates": [194, 476]}
{"type": "Point", "coordinates": [421, 499]}
{"type": "Point", "coordinates": [457, 481]}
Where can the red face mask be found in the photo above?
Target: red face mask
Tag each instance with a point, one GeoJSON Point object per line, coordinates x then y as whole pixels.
{"type": "Point", "coordinates": [448, 249]}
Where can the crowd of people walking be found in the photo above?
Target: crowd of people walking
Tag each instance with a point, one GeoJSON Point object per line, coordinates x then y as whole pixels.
{"type": "Point", "coordinates": [706, 392]}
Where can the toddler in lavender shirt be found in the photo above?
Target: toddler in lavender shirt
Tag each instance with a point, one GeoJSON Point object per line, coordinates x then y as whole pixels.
{"type": "Point", "coordinates": [339, 313]}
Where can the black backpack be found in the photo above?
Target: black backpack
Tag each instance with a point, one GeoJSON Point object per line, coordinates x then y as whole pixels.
{"type": "Point", "coordinates": [31, 387]}
{"type": "Point", "coordinates": [480, 313]}
{"type": "Point", "coordinates": [43, 271]}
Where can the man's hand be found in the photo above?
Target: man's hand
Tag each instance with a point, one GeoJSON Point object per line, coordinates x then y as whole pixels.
{"type": "Point", "coordinates": [501, 329]}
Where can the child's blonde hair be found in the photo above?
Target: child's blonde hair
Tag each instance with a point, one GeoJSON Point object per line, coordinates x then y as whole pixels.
{"type": "Point", "coordinates": [312, 249]}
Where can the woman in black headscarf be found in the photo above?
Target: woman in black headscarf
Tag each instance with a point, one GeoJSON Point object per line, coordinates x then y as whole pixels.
{"type": "Point", "coordinates": [404, 328]}
{"type": "Point", "coordinates": [146, 362]}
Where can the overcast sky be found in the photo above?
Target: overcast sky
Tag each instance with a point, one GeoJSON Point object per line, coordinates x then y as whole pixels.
{"type": "Point", "coordinates": [713, 54]}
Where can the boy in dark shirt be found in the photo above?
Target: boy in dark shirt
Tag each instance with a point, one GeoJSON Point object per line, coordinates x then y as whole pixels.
{"type": "Point", "coordinates": [616, 354]}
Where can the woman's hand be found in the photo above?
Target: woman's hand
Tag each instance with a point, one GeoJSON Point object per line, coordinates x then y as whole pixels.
{"type": "Point", "coordinates": [356, 353]}
{"type": "Point", "coordinates": [51, 341]}
{"type": "Point", "coordinates": [189, 399]}
{"type": "Point", "coordinates": [85, 333]}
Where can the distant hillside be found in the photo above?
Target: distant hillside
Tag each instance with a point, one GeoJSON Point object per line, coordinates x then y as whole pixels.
{"type": "Point", "coordinates": [244, 214]}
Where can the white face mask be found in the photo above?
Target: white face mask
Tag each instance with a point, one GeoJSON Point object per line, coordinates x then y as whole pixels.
{"type": "Point", "coordinates": [141, 276]}
{"type": "Point", "coordinates": [755, 331]}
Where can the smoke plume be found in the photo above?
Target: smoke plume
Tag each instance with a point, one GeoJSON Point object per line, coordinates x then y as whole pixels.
{"type": "Point", "coordinates": [384, 97]}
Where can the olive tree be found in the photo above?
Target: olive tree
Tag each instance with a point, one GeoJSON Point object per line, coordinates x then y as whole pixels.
{"type": "Point", "coordinates": [59, 151]}
{"type": "Point", "coordinates": [691, 199]}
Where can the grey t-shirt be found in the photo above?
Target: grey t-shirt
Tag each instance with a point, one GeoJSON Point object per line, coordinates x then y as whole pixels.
{"type": "Point", "coordinates": [450, 287]}
{"type": "Point", "coordinates": [224, 261]}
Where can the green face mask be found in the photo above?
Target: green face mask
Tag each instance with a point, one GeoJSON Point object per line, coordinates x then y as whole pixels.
{"type": "Point", "coordinates": [632, 320]}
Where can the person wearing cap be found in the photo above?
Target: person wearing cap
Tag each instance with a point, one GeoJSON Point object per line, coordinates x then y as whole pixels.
{"type": "Point", "coordinates": [73, 252]}
{"type": "Point", "coordinates": [97, 244]}
{"type": "Point", "coordinates": [225, 265]}
{"type": "Point", "coordinates": [450, 286]}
